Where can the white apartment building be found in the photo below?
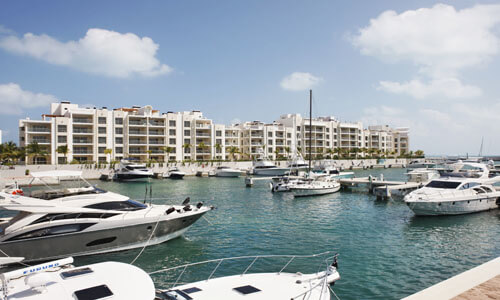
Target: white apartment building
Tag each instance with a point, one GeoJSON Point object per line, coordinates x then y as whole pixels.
{"type": "Point", "coordinates": [102, 134]}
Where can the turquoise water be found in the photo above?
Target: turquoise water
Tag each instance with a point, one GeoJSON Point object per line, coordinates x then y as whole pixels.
{"type": "Point", "coordinates": [385, 251]}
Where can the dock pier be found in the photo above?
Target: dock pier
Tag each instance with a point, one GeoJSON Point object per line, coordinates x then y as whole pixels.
{"type": "Point", "coordinates": [383, 189]}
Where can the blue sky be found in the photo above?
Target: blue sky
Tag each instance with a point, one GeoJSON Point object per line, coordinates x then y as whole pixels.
{"type": "Point", "coordinates": [230, 59]}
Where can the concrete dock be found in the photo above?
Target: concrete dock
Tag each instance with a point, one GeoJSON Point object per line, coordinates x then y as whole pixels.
{"type": "Point", "coordinates": [481, 282]}
{"type": "Point", "coordinates": [380, 187]}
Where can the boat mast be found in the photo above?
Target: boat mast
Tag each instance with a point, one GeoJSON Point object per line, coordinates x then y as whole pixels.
{"type": "Point", "coordinates": [310, 128]}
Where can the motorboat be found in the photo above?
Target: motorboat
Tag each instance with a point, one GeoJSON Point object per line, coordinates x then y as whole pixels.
{"type": "Point", "coordinates": [321, 185]}
{"type": "Point", "coordinates": [174, 173]}
{"type": "Point", "coordinates": [60, 280]}
{"type": "Point", "coordinates": [264, 167]}
{"type": "Point", "coordinates": [298, 163]}
{"type": "Point", "coordinates": [283, 183]}
{"type": "Point", "coordinates": [129, 170]}
{"type": "Point", "coordinates": [467, 189]}
{"type": "Point", "coordinates": [245, 285]}
{"type": "Point", "coordinates": [226, 172]}
{"type": "Point", "coordinates": [332, 172]}
{"type": "Point", "coordinates": [86, 220]}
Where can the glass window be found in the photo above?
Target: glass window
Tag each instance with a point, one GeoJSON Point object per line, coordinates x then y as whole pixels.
{"type": "Point", "coordinates": [270, 134]}
{"type": "Point", "coordinates": [102, 130]}
{"type": "Point", "coordinates": [102, 120]}
{"type": "Point", "coordinates": [171, 141]}
{"type": "Point", "coordinates": [186, 124]}
{"type": "Point", "coordinates": [119, 130]}
{"type": "Point", "coordinates": [187, 133]}
{"type": "Point", "coordinates": [171, 131]}
{"type": "Point", "coordinates": [443, 184]}
{"type": "Point", "coordinates": [102, 140]}
{"type": "Point", "coordinates": [54, 230]}
{"type": "Point", "coordinates": [61, 139]}
{"type": "Point", "coordinates": [93, 293]}
{"type": "Point", "coordinates": [61, 128]}
{"type": "Point", "coordinates": [171, 123]}
{"type": "Point", "coordinates": [119, 140]}
{"type": "Point", "coordinates": [129, 205]}
{"type": "Point", "coordinates": [119, 150]}
{"type": "Point", "coordinates": [119, 121]}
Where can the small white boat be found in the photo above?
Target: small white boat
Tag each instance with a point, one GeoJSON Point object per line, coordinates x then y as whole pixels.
{"type": "Point", "coordinates": [319, 186]}
{"type": "Point", "coordinates": [332, 172]}
{"type": "Point", "coordinates": [283, 183]}
{"type": "Point", "coordinates": [226, 172]}
{"type": "Point", "coordinates": [59, 280]}
{"type": "Point", "coordinates": [264, 167]}
{"type": "Point", "coordinates": [174, 173]}
{"type": "Point", "coordinates": [465, 190]}
{"type": "Point", "coordinates": [132, 171]}
{"type": "Point", "coordinates": [259, 286]}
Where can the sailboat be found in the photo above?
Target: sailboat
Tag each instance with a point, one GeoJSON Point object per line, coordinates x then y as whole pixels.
{"type": "Point", "coordinates": [320, 185]}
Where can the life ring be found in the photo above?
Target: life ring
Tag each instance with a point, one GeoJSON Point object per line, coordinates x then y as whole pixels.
{"type": "Point", "coordinates": [18, 192]}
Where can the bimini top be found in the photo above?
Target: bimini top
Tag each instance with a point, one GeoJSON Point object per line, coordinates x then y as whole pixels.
{"type": "Point", "coordinates": [56, 174]}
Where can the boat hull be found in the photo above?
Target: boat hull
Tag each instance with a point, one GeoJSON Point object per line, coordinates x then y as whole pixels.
{"type": "Point", "coordinates": [457, 207]}
{"type": "Point", "coordinates": [228, 174]}
{"type": "Point", "coordinates": [100, 241]}
{"type": "Point", "coordinates": [306, 192]}
{"type": "Point", "coordinates": [133, 177]}
{"type": "Point", "coordinates": [176, 175]}
{"type": "Point", "coordinates": [271, 172]}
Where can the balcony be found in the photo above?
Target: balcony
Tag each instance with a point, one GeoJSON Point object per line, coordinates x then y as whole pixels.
{"type": "Point", "coordinates": [82, 152]}
{"type": "Point", "coordinates": [136, 132]}
{"type": "Point", "coordinates": [82, 141]}
{"type": "Point", "coordinates": [40, 141]}
{"type": "Point", "coordinates": [156, 142]}
{"type": "Point", "coordinates": [82, 120]}
{"type": "Point", "coordinates": [202, 134]}
{"type": "Point", "coordinates": [156, 132]}
{"type": "Point", "coordinates": [39, 129]}
{"type": "Point", "coordinates": [202, 126]}
{"type": "Point", "coordinates": [137, 123]}
{"type": "Point", "coordinates": [82, 131]}
{"type": "Point", "coordinates": [157, 124]}
{"type": "Point", "coordinates": [137, 142]}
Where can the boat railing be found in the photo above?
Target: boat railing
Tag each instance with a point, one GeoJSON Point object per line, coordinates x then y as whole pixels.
{"type": "Point", "coordinates": [219, 261]}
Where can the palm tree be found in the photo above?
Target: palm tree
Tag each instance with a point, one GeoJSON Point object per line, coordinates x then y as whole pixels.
{"type": "Point", "coordinates": [232, 151]}
{"type": "Point", "coordinates": [218, 148]}
{"type": "Point", "coordinates": [149, 151]}
{"type": "Point", "coordinates": [108, 152]}
{"type": "Point", "coordinates": [168, 149]}
{"type": "Point", "coordinates": [276, 153]}
{"type": "Point", "coordinates": [63, 149]}
{"type": "Point", "coordinates": [419, 153]}
{"type": "Point", "coordinates": [35, 151]}
{"type": "Point", "coordinates": [287, 150]}
{"type": "Point", "coordinates": [10, 152]}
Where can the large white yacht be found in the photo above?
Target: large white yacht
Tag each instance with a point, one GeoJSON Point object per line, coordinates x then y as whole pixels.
{"type": "Point", "coordinates": [321, 185]}
{"type": "Point", "coordinates": [226, 172]}
{"type": "Point", "coordinates": [86, 220]}
{"type": "Point", "coordinates": [278, 285]}
{"type": "Point", "coordinates": [264, 167]}
{"type": "Point", "coordinates": [60, 280]}
{"type": "Point", "coordinates": [467, 188]}
{"type": "Point", "coordinates": [132, 171]}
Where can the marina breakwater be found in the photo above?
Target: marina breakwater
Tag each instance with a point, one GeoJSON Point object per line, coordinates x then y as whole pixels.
{"type": "Point", "coordinates": [94, 171]}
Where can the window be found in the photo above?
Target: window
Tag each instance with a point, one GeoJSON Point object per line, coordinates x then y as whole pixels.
{"type": "Point", "coordinates": [102, 140]}
{"type": "Point", "coordinates": [171, 123]}
{"type": "Point", "coordinates": [270, 134]}
{"type": "Point", "coordinates": [119, 140]}
{"type": "Point", "coordinates": [171, 131]}
{"type": "Point", "coordinates": [119, 130]}
{"type": "Point", "coordinates": [218, 133]}
{"type": "Point", "coordinates": [93, 293]}
{"type": "Point", "coordinates": [102, 130]}
{"type": "Point", "coordinates": [54, 230]}
{"type": "Point", "coordinates": [443, 184]}
{"type": "Point", "coordinates": [186, 124]}
{"type": "Point", "coordinates": [102, 120]}
{"type": "Point", "coordinates": [328, 130]}
{"type": "Point", "coordinates": [298, 128]}
{"type": "Point", "coordinates": [119, 150]}
{"type": "Point", "coordinates": [171, 141]}
{"type": "Point", "coordinates": [129, 205]}
{"type": "Point", "coordinates": [289, 135]}
{"type": "Point", "coordinates": [119, 121]}
{"type": "Point", "coordinates": [270, 142]}
{"type": "Point", "coordinates": [218, 141]}
{"type": "Point", "coordinates": [101, 149]}
{"type": "Point", "coordinates": [61, 139]}
{"type": "Point", "coordinates": [187, 141]}
{"type": "Point", "coordinates": [61, 128]}
{"type": "Point", "coordinates": [187, 132]}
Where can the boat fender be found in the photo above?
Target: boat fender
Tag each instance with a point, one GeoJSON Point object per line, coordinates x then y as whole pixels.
{"type": "Point", "coordinates": [186, 201]}
{"type": "Point", "coordinates": [170, 210]}
{"type": "Point", "coordinates": [187, 208]}
{"type": "Point", "coordinates": [18, 192]}
{"type": "Point", "coordinates": [199, 205]}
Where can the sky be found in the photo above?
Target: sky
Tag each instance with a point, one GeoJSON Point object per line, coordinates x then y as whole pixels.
{"type": "Point", "coordinates": [431, 66]}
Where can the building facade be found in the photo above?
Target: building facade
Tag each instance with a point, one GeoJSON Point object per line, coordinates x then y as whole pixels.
{"type": "Point", "coordinates": [72, 133]}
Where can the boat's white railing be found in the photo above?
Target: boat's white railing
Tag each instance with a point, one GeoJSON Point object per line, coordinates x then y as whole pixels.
{"type": "Point", "coordinates": [255, 258]}
{"type": "Point", "coordinates": [469, 193]}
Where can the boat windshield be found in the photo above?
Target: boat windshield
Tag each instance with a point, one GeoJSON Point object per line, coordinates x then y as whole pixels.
{"type": "Point", "coordinates": [129, 205]}
{"type": "Point", "coordinates": [443, 184]}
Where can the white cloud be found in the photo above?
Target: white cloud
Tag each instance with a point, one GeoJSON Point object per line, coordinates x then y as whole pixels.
{"type": "Point", "coordinates": [5, 30]}
{"type": "Point", "coordinates": [439, 40]}
{"type": "Point", "coordinates": [15, 100]}
{"type": "Point", "coordinates": [299, 81]}
{"type": "Point", "coordinates": [442, 87]}
{"type": "Point", "coordinates": [100, 51]}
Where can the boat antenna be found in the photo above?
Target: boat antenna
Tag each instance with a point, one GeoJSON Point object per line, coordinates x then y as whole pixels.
{"type": "Point", "coordinates": [310, 128]}
{"type": "Point", "coordinates": [481, 148]}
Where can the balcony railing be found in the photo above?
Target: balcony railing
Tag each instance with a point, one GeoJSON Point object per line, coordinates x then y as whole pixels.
{"type": "Point", "coordinates": [40, 141]}
{"type": "Point", "coordinates": [39, 129]}
{"type": "Point", "coordinates": [156, 124]}
{"type": "Point", "coordinates": [82, 120]}
{"type": "Point", "coordinates": [156, 133]}
{"type": "Point", "coordinates": [137, 123]}
{"type": "Point", "coordinates": [81, 130]}
{"type": "Point", "coordinates": [137, 132]}
{"type": "Point", "coordinates": [82, 152]}
{"type": "Point", "coordinates": [137, 142]}
{"type": "Point", "coordinates": [82, 141]}
{"type": "Point", "coordinates": [156, 143]}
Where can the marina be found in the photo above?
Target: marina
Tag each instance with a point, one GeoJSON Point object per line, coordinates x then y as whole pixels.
{"type": "Point", "coordinates": [380, 243]}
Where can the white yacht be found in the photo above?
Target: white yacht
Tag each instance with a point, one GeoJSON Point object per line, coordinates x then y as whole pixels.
{"type": "Point", "coordinates": [174, 173]}
{"type": "Point", "coordinates": [226, 172]}
{"type": "Point", "coordinates": [60, 280]}
{"type": "Point", "coordinates": [264, 167]}
{"type": "Point", "coordinates": [422, 175]}
{"type": "Point", "coordinates": [466, 189]}
{"type": "Point", "coordinates": [283, 183]}
{"type": "Point", "coordinates": [332, 172]}
{"type": "Point", "coordinates": [321, 185]}
{"type": "Point", "coordinates": [86, 220]}
{"type": "Point", "coordinates": [298, 163]}
{"type": "Point", "coordinates": [259, 286]}
{"type": "Point", "coordinates": [132, 171]}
